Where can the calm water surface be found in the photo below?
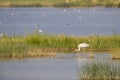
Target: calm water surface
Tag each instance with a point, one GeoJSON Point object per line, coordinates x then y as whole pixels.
{"type": "Point", "coordinates": [83, 21]}
{"type": "Point", "coordinates": [38, 69]}
{"type": "Point", "coordinates": [62, 67]}
{"type": "Point", "coordinates": [80, 21]}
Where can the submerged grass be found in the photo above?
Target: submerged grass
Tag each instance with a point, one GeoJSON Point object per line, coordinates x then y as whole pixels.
{"type": "Point", "coordinates": [22, 45]}
{"type": "Point", "coordinates": [99, 71]}
{"type": "Point", "coordinates": [59, 3]}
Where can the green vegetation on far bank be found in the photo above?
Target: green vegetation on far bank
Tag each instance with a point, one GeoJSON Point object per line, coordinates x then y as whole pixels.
{"type": "Point", "coordinates": [59, 3]}
{"type": "Point", "coordinates": [37, 44]}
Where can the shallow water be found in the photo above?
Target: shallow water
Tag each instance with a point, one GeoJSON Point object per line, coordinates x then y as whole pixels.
{"type": "Point", "coordinates": [38, 69]}
{"type": "Point", "coordinates": [80, 21]}
{"type": "Point", "coordinates": [62, 67]}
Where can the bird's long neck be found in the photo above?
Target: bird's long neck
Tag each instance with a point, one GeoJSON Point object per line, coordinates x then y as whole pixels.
{"type": "Point", "coordinates": [79, 48]}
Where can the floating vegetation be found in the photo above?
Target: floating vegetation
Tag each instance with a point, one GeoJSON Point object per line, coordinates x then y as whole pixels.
{"type": "Point", "coordinates": [99, 71]}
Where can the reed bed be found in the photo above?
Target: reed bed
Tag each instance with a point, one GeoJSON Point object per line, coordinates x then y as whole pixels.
{"type": "Point", "coordinates": [62, 41]}
{"type": "Point", "coordinates": [21, 45]}
{"type": "Point", "coordinates": [99, 71]}
{"type": "Point", "coordinates": [115, 53]}
{"type": "Point", "coordinates": [59, 3]}
{"type": "Point", "coordinates": [12, 46]}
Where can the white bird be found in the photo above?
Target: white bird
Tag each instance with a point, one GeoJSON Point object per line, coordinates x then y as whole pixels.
{"type": "Point", "coordinates": [40, 30]}
{"type": "Point", "coordinates": [82, 46]}
{"type": "Point", "coordinates": [1, 34]}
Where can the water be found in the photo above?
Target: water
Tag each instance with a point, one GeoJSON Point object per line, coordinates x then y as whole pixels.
{"type": "Point", "coordinates": [80, 21]}
{"type": "Point", "coordinates": [83, 21]}
{"type": "Point", "coordinates": [62, 67]}
{"type": "Point", "coordinates": [38, 69]}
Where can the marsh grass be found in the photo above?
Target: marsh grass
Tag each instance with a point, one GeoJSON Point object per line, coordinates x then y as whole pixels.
{"type": "Point", "coordinates": [59, 3]}
{"type": "Point", "coordinates": [115, 53]}
{"type": "Point", "coordinates": [12, 46]}
{"type": "Point", "coordinates": [17, 47]}
{"type": "Point", "coordinates": [99, 71]}
{"type": "Point", "coordinates": [62, 41]}
{"type": "Point", "coordinates": [21, 45]}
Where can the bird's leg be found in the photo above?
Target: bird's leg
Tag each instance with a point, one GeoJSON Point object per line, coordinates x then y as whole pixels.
{"type": "Point", "coordinates": [84, 50]}
{"type": "Point", "coordinates": [81, 52]}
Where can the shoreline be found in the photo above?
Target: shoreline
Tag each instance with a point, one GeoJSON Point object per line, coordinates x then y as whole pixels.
{"type": "Point", "coordinates": [54, 7]}
{"type": "Point", "coordinates": [60, 3]}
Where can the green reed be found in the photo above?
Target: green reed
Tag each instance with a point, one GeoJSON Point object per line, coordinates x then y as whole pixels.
{"type": "Point", "coordinates": [12, 46]}
{"type": "Point", "coordinates": [63, 41]}
{"type": "Point", "coordinates": [50, 41]}
{"type": "Point", "coordinates": [115, 53]}
{"type": "Point", "coordinates": [22, 44]}
{"type": "Point", "coordinates": [99, 71]}
{"type": "Point", "coordinates": [59, 3]}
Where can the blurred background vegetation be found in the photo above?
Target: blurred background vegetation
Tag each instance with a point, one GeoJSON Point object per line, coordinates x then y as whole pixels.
{"type": "Point", "coordinates": [59, 3]}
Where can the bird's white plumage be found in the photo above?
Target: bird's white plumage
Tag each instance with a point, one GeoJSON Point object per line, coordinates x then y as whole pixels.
{"type": "Point", "coordinates": [1, 34]}
{"type": "Point", "coordinates": [82, 45]}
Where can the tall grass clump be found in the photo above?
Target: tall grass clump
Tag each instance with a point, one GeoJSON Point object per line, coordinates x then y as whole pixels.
{"type": "Point", "coordinates": [115, 53]}
{"type": "Point", "coordinates": [99, 71]}
{"type": "Point", "coordinates": [12, 46]}
{"type": "Point", "coordinates": [50, 41]}
{"type": "Point", "coordinates": [104, 42]}
{"type": "Point", "coordinates": [18, 47]}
